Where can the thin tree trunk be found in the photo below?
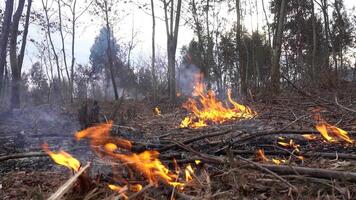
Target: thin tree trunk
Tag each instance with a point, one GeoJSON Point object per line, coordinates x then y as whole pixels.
{"type": "Point", "coordinates": [74, 19]}
{"type": "Point", "coordinates": [5, 37]}
{"type": "Point", "coordinates": [277, 43]}
{"type": "Point", "coordinates": [268, 25]}
{"type": "Point", "coordinates": [64, 54]}
{"type": "Point", "coordinates": [313, 68]}
{"type": "Point", "coordinates": [153, 59]}
{"type": "Point", "coordinates": [242, 67]}
{"type": "Point", "coordinates": [51, 41]}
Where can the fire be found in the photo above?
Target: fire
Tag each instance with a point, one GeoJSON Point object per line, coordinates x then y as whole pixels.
{"type": "Point", "coordinates": [62, 158]}
{"type": "Point", "coordinates": [157, 111]}
{"type": "Point", "coordinates": [189, 172]}
{"type": "Point", "coordinates": [100, 135]}
{"type": "Point", "coordinates": [291, 144]}
{"type": "Point", "coordinates": [331, 133]}
{"type": "Point", "coordinates": [119, 189]}
{"type": "Point", "coordinates": [150, 166]}
{"type": "Point", "coordinates": [146, 163]}
{"type": "Point", "coordinates": [309, 136]}
{"type": "Point", "coordinates": [208, 109]}
{"type": "Point", "coordinates": [261, 155]}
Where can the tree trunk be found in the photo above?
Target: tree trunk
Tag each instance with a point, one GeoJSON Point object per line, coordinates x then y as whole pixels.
{"type": "Point", "coordinates": [276, 54]}
{"type": "Point", "coordinates": [109, 52]}
{"type": "Point", "coordinates": [153, 59]}
{"type": "Point", "coordinates": [15, 68]}
{"type": "Point", "coordinates": [5, 37]}
{"type": "Point", "coordinates": [324, 8]}
{"type": "Point", "coordinates": [239, 50]}
{"type": "Point", "coordinates": [74, 19]}
{"type": "Point", "coordinates": [172, 37]}
{"type": "Point", "coordinates": [314, 71]}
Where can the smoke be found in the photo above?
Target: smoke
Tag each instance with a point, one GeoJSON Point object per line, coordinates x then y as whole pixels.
{"type": "Point", "coordinates": [188, 75]}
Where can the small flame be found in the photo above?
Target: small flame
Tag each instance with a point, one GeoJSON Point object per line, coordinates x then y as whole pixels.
{"type": "Point", "coordinates": [119, 189]}
{"type": "Point", "coordinates": [208, 109]}
{"type": "Point", "coordinates": [62, 158]}
{"type": "Point", "coordinates": [291, 144]}
{"type": "Point", "coordinates": [136, 187]}
{"type": "Point", "coordinates": [189, 172]}
{"type": "Point", "coordinates": [278, 161]}
{"type": "Point", "coordinates": [309, 136]}
{"type": "Point", "coordinates": [261, 155]}
{"type": "Point", "coordinates": [157, 111]}
{"type": "Point", "coordinates": [197, 162]}
{"type": "Point", "coordinates": [331, 133]}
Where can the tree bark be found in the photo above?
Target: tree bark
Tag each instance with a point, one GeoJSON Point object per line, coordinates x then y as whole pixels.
{"type": "Point", "coordinates": [5, 37]}
{"type": "Point", "coordinates": [276, 54]}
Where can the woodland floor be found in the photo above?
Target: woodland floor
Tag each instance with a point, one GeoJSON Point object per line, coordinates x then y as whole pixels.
{"type": "Point", "coordinates": [287, 116]}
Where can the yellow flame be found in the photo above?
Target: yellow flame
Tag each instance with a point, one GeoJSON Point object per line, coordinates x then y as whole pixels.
{"type": "Point", "coordinates": [208, 109]}
{"type": "Point", "coordinates": [62, 158]}
{"type": "Point", "coordinates": [309, 136]}
{"type": "Point", "coordinates": [157, 111]}
{"type": "Point", "coordinates": [197, 162]}
{"type": "Point", "coordinates": [189, 173]}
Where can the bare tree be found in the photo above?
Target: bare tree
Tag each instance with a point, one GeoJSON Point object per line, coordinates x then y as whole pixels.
{"type": "Point", "coordinates": [48, 27]}
{"type": "Point", "coordinates": [17, 60]}
{"type": "Point", "coordinates": [5, 37]}
{"type": "Point", "coordinates": [172, 26]}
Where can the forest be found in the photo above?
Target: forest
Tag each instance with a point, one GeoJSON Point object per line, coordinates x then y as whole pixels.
{"type": "Point", "coordinates": [177, 99]}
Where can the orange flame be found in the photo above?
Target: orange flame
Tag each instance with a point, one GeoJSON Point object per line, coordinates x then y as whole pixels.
{"type": "Point", "coordinates": [150, 166]}
{"type": "Point", "coordinates": [100, 135]}
{"type": "Point", "coordinates": [331, 133]}
{"type": "Point", "coordinates": [157, 111]}
{"type": "Point", "coordinates": [209, 109]}
{"type": "Point", "coordinates": [309, 136]}
{"type": "Point", "coordinates": [62, 158]}
{"type": "Point", "coordinates": [261, 155]}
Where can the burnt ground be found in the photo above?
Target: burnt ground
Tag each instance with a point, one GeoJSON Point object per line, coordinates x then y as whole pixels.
{"type": "Point", "coordinates": [37, 177]}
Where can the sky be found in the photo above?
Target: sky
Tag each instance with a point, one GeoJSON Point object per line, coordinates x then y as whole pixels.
{"type": "Point", "coordinates": [131, 17]}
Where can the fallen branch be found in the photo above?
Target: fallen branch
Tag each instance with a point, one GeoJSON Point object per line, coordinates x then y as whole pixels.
{"type": "Point", "coordinates": [265, 169]}
{"type": "Point", "coordinates": [343, 107]}
{"type": "Point", "coordinates": [214, 134]}
{"type": "Point", "coordinates": [137, 194]}
{"type": "Point", "coordinates": [23, 155]}
{"type": "Point", "coordinates": [67, 185]}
